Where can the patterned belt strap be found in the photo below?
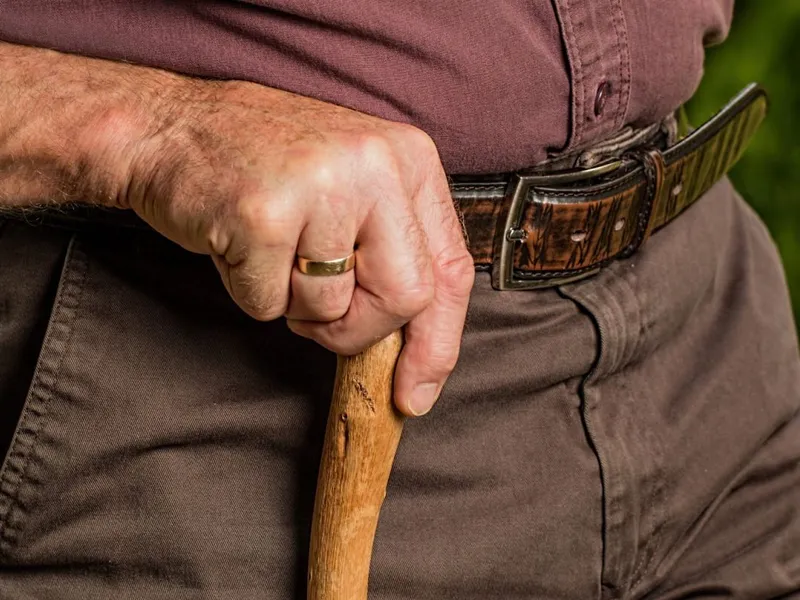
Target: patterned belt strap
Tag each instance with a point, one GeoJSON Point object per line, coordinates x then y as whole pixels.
{"type": "Point", "coordinates": [539, 229]}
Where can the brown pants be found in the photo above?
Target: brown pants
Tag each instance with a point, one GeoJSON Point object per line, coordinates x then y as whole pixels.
{"type": "Point", "coordinates": [633, 435]}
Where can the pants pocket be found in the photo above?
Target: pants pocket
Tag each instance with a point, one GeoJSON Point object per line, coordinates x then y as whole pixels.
{"type": "Point", "coordinates": [41, 273]}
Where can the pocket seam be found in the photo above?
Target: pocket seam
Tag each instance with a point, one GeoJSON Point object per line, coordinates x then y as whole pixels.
{"type": "Point", "coordinates": [15, 477]}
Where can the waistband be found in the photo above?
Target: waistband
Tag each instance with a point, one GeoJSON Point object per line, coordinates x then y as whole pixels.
{"type": "Point", "coordinates": [564, 220]}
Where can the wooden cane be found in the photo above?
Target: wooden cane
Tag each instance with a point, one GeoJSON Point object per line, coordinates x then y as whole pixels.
{"type": "Point", "coordinates": [360, 443]}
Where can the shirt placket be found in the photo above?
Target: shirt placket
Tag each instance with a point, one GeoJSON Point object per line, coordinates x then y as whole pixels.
{"type": "Point", "coordinates": [596, 42]}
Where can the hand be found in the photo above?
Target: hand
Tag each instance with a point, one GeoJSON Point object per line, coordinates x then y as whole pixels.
{"type": "Point", "coordinates": [254, 176]}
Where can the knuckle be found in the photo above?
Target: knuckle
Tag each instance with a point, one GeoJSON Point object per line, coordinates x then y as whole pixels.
{"type": "Point", "coordinates": [376, 150]}
{"type": "Point", "coordinates": [260, 301]}
{"type": "Point", "coordinates": [265, 220]}
{"type": "Point", "coordinates": [443, 362]}
{"type": "Point", "coordinates": [265, 308]}
{"type": "Point", "coordinates": [264, 311]}
{"type": "Point", "coordinates": [436, 359]}
{"type": "Point", "coordinates": [420, 140]}
{"type": "Point", "coordinates": [456, 270]}
{"type": "Point", "coordinates": [321, 174]}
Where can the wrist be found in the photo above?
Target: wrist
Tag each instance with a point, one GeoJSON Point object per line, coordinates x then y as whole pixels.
{"type": "Point", "coordinates": [71, 127]}
{"type": "Point", "coordinates": [123, 131]}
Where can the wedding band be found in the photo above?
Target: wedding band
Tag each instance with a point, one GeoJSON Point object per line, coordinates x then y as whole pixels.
{"type": "Point", "coordinates": [326, 268]}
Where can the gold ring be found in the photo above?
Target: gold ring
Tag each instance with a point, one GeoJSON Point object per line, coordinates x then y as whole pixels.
{"type": "Point", "coordinates": [326, 268]}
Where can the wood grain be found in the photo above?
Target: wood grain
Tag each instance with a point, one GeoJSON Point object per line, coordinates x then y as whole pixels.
{"type": "Point", "coordinates": [361, 439]}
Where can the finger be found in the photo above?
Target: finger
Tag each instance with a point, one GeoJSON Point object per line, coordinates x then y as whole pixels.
{"type": "Point", "coordinates": [329, 235]}
{"type": "Point", "coordinates": [433, 338]}
{"type": "Point", "coordinates": [394, 280]}
{"type": "Point", "coordinates": [257, 262]}
{"type": "Point", "coordinates": [366, 310]}
{"type": "Point", "coordinates": [320, 299]}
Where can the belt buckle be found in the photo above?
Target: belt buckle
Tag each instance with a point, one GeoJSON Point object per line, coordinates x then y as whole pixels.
{"type": "Point", "coordinates": [511, 233]}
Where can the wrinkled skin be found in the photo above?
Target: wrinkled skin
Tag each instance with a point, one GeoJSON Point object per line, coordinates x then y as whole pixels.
{"type": "Point", "coordinates": [253, 177]}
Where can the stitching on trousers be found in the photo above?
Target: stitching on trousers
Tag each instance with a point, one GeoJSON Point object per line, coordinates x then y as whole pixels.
{"type": "Point", "coordinates": [614, 353]}
{"type": "Point", "coordinates": [24, 445]}
{"type": "Point", "coordinates": [656, 446]}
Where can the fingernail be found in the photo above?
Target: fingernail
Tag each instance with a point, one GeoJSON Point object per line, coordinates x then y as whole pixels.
{"type": "Point", "coordinates": [423, 398]}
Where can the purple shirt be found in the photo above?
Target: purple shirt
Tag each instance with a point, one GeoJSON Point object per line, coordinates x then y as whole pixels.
{"type": "Point", "coordinates": [497, 83]}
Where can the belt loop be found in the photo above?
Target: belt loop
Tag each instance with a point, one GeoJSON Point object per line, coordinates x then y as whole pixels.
{"type": "Point", "coordinates": [655, 167]}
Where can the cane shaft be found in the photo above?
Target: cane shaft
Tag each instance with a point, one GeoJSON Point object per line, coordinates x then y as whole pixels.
{"type": "Point", "coordinates": [361, 439]}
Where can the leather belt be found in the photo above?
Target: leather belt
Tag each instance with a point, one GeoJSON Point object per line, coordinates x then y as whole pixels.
{"type": "Point", "coordinates": [540, 228]}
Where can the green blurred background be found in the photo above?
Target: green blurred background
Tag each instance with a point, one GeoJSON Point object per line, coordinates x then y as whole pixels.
{"type": "Point", "coordinates": [764, 46]}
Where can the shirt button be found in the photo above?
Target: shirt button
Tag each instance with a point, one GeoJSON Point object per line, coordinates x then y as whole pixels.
{"type": "Point", "coordinates": [604, 90]}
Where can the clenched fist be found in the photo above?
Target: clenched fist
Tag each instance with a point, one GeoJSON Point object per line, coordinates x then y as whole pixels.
{"type": "Point", "coordinates": [255, 177]}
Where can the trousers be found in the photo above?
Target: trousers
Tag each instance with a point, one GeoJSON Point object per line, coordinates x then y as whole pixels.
{"type": "Point", "coordinates": [633, 435]}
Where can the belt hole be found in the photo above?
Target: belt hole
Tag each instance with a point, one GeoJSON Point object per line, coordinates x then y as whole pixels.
{"type": "Point", "coordinates": [578, 236]}
{"type": "Point", "coordinates": [619, 225]}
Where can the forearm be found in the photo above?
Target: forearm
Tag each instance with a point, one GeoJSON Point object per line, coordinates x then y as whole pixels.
{"type": "Point", "coordinates": [70, 126]}
{"type": "Point", "coordinates": [255, 177]}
